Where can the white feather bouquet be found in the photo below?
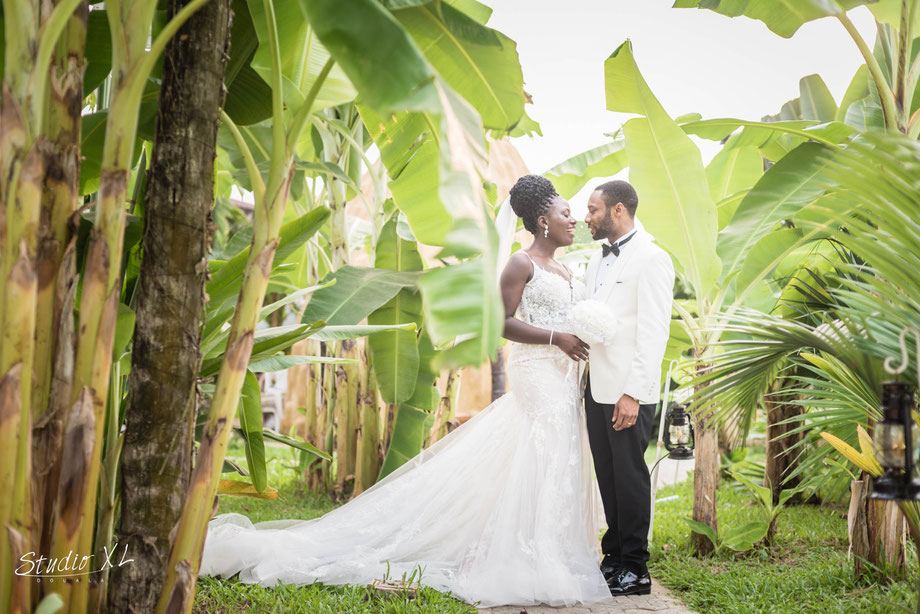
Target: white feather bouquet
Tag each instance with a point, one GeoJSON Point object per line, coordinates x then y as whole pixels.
{"type": "Point", "coordinates": [593, 322]}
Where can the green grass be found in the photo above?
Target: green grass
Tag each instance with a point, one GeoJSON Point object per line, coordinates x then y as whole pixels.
{"type": "Point", "coordinates": [231, 597]}
{"type": "Point", "coordinates": [806, 570]}
{"type": "Point", "coordinates": [215, 596]}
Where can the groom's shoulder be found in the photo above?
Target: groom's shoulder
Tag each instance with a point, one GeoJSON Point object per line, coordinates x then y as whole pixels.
{"type": "Point", "coordinates": [652, 249]}
{"type": "Point", "coordinates": [655, 253]}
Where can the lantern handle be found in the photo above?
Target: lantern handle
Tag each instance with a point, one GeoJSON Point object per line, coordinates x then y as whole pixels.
{"type": "Point", "coordinates": [905, 359]}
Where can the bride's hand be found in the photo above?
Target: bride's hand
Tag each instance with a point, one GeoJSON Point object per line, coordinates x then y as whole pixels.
{"type": "Point", "coordinates": [575, 348]}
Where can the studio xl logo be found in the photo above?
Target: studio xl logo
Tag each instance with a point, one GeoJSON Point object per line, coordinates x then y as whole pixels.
{"type": "Point", "coordinates": [70, 568]}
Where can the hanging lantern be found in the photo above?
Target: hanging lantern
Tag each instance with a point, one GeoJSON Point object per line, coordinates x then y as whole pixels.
{"type": "Point", "coordinates": [895, 439]}
{"type": "Point", "coordinates": [679, 440]}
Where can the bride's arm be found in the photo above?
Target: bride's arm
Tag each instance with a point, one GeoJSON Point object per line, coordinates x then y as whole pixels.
{"type": "Point", "coordinates": [517, 273]}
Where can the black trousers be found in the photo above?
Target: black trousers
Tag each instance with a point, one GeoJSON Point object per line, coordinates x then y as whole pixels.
{"type": "Point", "coordinates": [623, 477]}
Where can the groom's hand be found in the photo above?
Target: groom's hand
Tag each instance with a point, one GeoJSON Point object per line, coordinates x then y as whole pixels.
{"type": "Point", "coordinates": [625, 412]}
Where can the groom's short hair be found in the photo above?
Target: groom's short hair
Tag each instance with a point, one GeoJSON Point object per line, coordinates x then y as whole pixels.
{"type": "Point", "coordinates": [619, 191]}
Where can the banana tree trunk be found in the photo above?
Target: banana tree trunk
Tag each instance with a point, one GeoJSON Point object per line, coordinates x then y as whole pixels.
{"type": "Point", "coordinates": [389, 414]}
{"type": "Point", "coordinates": [185, 557]}
{"type": "Point", "coordinates": [18, 348]}
{"type": "Point", "coordinates": [368, 453]}
{"type": "Point", "coordinates": [21, 174]}
{"type": "Point", "coordinates": [705, 479]}
{"type": "Point", "coordinates": [878, 532]}
{"type": "Point", "coordinates": [447, 407]}
{"type": "Point", "coordinates": [346, 410]}
{"type": "Point", "coordinates": [316, 418]}
{"type": "Point", "coordinates": [161, 408]}
{"type": "Point", "coordinates": [105, 504]}
{"type": "Point", "coordinates": [345, 393]}
{"type": "Point", "coordinates": [181, 573]}
{"type": "Point", "coordinates": [780, 460]}
{"type": "Point", "coordinates": [130, 24]}
{"type": "Point", "coordinates": [48, 431]}
{"type": "Point", "coordinates": [10, 415]}
{"type": "Point", "coordinates": [56, 273]}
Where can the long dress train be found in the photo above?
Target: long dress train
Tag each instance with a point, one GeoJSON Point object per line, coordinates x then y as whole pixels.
{"type": "Point", "coordinates": [502, 511]}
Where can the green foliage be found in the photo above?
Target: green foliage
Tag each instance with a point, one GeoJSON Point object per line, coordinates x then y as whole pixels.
{"type": "Point", "coordinates": [367, 42]}
{"type": "Point", "coordinates": [792, 183]}
{"type": "Point", "coordinates": [833, 348]}
{"type": "Point", "coordinates": [408, 437]}
{"type": "Point", "coordinates": [735, 168]}
{"type": "Point", "coordinates": [395, 353]}
{"type": "Point", "coordinates": [226, 276]}
{"type": "Point", "coordinates": [736, 539]}
{"type": "Point", "coordinates": [572, 175]}
{"type": "Point", "coordinates": [357, 293]}
{"type": "Point", "coordinates": [806, 569]}
{"type": "Point", "coordinates": [666, 168]}
{"type": "Point", "coordinates": [250, 415]}
{"type": "Point", "coordinates": [98, 50]}
{"type": "Point", "coordinates": [453, 305]}
{"type": "Point", "coordinates": [763, 497]}
{"type": "Point", "coordinates": [480, 63]}
{"type": "Point", "coordinates": [302, 57]}
{"type": "Point", "coordinates": [784, 17]}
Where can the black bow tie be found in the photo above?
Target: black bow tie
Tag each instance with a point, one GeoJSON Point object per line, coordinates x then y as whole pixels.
{"type": "Point", "coordinates": [615, 248]}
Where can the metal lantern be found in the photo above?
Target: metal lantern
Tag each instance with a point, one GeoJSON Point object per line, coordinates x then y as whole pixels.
{"type": "Point", "coordinates": [679, 440]}
{"type": "Point", "coordinates": [895, 439]}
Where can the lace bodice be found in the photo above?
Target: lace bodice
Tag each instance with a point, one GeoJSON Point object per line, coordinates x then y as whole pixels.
{"type": "Point", "coordinates": [546, 302]}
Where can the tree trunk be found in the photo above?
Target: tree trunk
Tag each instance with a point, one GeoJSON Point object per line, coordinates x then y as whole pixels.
{"type": "Point", "coordinates": [499, 375]}
{"type": "Point", "coordinates": [160, 413]}
{"type": "Point", "coordinates": [54, 349]}
{"type": "Point", "coordinates": [780, 461]}
{"type": "Point", "coordinates": [369, 452]}
{"type": "Point", "coordinates": [705, 483]}
{"type": "Point", "coordinates": [447, 408]}
{"type": "Point", "coordinates": [878, 534]}
{"type": "Point", "coordinates": [705, 477]}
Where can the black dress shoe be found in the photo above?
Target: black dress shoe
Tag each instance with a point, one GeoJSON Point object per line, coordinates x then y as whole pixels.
{"type": "Point", "coordinates": [610, 571]}
{"type": "Point", "coordinates": [628, 583]}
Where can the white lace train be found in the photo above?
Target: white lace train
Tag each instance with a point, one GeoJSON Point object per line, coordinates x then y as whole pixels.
{"type": "Point", "coordinates": [501, 512]}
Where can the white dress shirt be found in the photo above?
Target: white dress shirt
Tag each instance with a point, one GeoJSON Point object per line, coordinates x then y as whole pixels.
{"type": "Point", "coordinates": [608, 260]}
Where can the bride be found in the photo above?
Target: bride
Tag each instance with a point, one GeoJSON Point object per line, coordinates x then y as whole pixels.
{"type": "Point", "coordinates": [501, 511]}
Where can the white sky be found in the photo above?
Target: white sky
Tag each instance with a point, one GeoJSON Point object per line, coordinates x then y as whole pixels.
{"type": "Point", "coordinates": [694, 60]}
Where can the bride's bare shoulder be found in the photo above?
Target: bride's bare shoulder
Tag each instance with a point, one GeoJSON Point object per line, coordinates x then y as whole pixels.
{"type": "Point", "coordinates": [519, 268]}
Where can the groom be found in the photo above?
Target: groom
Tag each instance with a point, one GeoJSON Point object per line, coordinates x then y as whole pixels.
{"type": "Point", "coordinates": [635, 278]}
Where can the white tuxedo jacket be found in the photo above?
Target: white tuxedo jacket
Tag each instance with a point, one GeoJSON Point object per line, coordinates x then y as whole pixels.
{"type": "Point", "coordinates": [639, 290]}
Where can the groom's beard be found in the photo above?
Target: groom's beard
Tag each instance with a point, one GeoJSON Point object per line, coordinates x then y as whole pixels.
{"type": "Point", "coordinates": [605, 230]}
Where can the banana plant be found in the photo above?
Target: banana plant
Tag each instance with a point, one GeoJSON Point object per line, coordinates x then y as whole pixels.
{"type": "Point", "coordinates": [894, 75]}
{"type": "Point", "coordinates": [739, 210]}
{"type": "Point", "coordinates": [32, 33]}
{"type": "Point", "coordinates": [343, 30]}
{"type": "Point", "coordinates": [853, 322]}
{"type": "Point", "coordinates": [735, 539]}
{"type": "Point", "coordinates": [865, 459]}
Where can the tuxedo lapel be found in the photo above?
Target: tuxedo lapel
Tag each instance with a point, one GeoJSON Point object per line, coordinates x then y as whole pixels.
{"type": "Point", "coordinates": [628, 255]}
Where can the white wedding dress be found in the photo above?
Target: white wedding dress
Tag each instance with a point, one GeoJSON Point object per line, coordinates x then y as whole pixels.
{"type": "Point", "coordinates": [502, 511]}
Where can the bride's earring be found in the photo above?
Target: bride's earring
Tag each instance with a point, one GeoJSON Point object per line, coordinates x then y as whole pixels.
{"type": "Point", "coordinates": [546, 230]}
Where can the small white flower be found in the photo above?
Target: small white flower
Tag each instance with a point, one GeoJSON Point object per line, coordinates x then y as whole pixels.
{"type": "Point", "coordinates": [593, 321]}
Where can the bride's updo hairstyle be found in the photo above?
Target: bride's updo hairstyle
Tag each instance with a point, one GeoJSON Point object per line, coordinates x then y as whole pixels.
{"type": "Point", "coordinates": [531, 197]}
